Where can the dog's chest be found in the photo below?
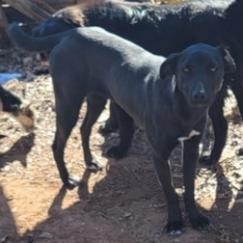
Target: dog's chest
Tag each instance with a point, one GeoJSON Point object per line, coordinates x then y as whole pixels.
{"type": "Point", "coordinates": [191, 134]}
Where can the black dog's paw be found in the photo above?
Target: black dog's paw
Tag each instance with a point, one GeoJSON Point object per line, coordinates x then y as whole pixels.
{"type": "Point", "coordinates": [174, 228]}
{"type": "Point", "coordinates": [116, 152]}
{"type": "Point", "coordinates": [205, 160]}
{"type": "Point", "coordinates": [71, 183]}
{"type": "Point", "coordinates": [200, 222]}
{"type": "Point", "coordinates": [107, 128]}
{"type": "Point", "coordinates": [94, 166]}
{"type": "Point", "coordinates": [240, 152]}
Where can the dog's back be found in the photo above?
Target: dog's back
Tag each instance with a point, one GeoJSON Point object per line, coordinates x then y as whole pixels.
{"type": "Point", "coordinates": [146, 24]}
{"type": "Point", "coordinates": [94, 60]}
{"type": "Point", "coordinates": [100, 54]}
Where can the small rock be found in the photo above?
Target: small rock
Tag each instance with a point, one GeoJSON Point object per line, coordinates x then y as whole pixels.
{"type": "Point", "coordinates": [240, 152]}
{"type": "Point", "coordinates": [4, 239]}
{"type": "Point", "coordinates": [27, 60]}
{"type": "Point", "coordinates": [6, 168]}
{"type": "Point", "coordinates": [46, 235]}
{"type": "Point", "coordinates": [127, 215]}
{"type": "Point", "coordinates": [234, 143]}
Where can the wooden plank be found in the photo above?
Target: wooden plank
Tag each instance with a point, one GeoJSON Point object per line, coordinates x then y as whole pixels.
{"type": "Point", "coordinates": [56, 4]}
{"type": "Point", "coordinates": [29, 8]}
{"type": "Point", "coordinates": [3, 21]}
{"type": "Point", "coordinates": [46, 5]}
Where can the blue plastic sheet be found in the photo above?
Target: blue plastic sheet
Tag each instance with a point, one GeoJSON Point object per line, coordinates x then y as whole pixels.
{"type": "Point", "coordinates": [5, 77]}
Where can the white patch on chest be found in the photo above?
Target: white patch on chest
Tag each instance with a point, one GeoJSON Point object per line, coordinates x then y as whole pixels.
{"type": "Point", "coordinates": [191, 134]}
{"type": "Point", "coordinates": [173, 83]}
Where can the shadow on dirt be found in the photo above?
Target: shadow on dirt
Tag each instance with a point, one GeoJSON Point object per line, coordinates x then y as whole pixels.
{"type": "Point", "coordinates": [18, 151]}
{"type": "Point", "coordinates": [125, 206]}
{"type": "Point", "coordinates": [7, 223]}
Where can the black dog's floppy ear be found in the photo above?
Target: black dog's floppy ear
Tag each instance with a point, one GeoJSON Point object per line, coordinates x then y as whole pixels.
{"type": "Point", "coordinates": [229, 63]}
{"type": "Point", "coordinates": [168, 67]}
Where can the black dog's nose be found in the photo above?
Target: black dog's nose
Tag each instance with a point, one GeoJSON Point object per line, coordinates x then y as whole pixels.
{"type": "Point", "coordinates": [199, 97]}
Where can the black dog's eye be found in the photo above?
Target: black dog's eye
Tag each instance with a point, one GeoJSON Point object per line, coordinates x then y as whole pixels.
{"type": "Point", "coordinates": [213, 69]}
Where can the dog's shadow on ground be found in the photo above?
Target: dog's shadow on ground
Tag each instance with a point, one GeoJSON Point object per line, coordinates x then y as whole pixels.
{"type": "Point", "coordinates": [18, 151]}
{"type": "Point", "coordinates": [224, 189]}
{"type": "Point", "coordinates": [103, 204]}
{"type": "Point", "coordinates": [7, 223]}
{"type": "Point", "coordinates": [128, 197]}
{"type": "Point", "coordinates": [83, 192]}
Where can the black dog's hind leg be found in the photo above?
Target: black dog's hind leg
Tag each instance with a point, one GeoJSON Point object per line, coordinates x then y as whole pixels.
{"type": "Point", "coordinates": [67, 112]}
{"type": "Point", "coordinates": [95, 105]}
{"type": "Point", "coordinates": [111, 124]}
{"type": "Point", "coordinates": [126, 131]}
{"type": "Point", "coordinates": [220, 128]}
{"type": "Point", "coordinates": [190, 158]}
{"type": "Point", "coordinates": [237, 88]}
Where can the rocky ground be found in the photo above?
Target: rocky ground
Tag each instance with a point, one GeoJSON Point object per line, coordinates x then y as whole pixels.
{"type": "Point", "coordinates": [123, 203]}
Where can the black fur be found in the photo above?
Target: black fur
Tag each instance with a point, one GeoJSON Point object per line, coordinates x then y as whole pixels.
{"type": "Point", "coordinates": [9, 102]}
{"type": "Point", "coordinates": [170, 28]}
{"type": "Point", "coordinates": [169, 99]}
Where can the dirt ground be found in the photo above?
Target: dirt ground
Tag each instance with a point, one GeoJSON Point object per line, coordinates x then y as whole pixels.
{"type": "Point", "coordinates": [121, 204]}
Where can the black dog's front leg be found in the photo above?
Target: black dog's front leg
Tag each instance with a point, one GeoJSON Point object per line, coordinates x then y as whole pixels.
{"type": "Point", "coordinates": [175, 224]}
{"type": "Point", "coordinates": [190, 157]}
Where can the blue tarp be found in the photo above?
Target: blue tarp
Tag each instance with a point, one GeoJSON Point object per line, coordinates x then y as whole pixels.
{"type": "Point", "coordinates": [5, 77]}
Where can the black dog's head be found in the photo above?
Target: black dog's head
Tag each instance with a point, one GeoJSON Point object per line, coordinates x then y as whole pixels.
{"type": "Point", "coordinates": [9, 102]}
{"type": "Point", "coordinates": [198, 72]}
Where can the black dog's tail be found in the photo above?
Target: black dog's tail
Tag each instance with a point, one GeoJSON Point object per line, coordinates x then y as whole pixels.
{"type": "Point", "coordinates": [29, 43]}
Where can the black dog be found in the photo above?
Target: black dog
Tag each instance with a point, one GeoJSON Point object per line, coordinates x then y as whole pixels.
{"type": "Point", "coordinates": [169, 101]}
{"type": "Point", "coordinates": [9, 102]}
{"type": "Point", "coordinates": [165, 29]}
